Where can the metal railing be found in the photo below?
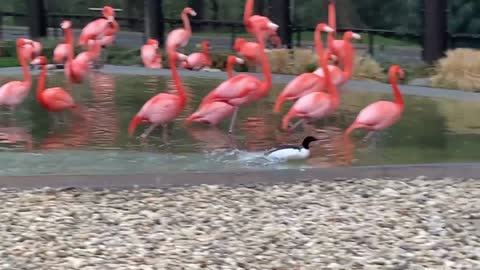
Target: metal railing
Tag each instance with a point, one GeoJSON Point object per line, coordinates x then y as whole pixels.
{"type": "Point", "coordinates": [237, 27]}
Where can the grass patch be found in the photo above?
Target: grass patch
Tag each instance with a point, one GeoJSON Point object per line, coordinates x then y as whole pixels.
{"type": "Point", "coordinates": [460, 69]}
{"type": "Point", "coordinates": [8, 62]}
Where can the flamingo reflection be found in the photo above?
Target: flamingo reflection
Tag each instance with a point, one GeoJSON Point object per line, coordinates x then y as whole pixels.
{"type": "Point", "coordinates": [16, 136]}
{"type": "Point", "coordinates": [102, 112]}
{"type": "Point", "coordinates": [76, 136]}
{"type": "Point", "coordinates": [210, 139]}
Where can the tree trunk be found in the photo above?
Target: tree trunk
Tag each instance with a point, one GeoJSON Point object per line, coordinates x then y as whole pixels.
{"type": "Point", "coordinates": [215, 12]}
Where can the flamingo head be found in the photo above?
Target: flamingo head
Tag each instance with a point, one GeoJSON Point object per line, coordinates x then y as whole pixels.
{"type": "Point", "coordinates": [190, 11]}
{"type": "Point", "coordinates": [153, 42]}
{"type": "Point", "coordinates": [232, 59]}
{"type": "Point", "coordinates": [205, 45]}
{"type": "Point", "coordinates": [239, 42]}
{"type": "Point", "coordinates": [349, 35]}
{"type": "Point", "coordinates": [40, 60]}
{"type": "Point", "coordinates": [262, 24]}
{"type": "Point", "coordinates": [66, 24]}
{"type": "Point", "coordinates": [109, 13]}
{"type": "Point", "coordinates": [23, 41]}
{"type": "Point", "coordinates": [324, 28]}
{"type": "Point", "coordinates": [396, 70]}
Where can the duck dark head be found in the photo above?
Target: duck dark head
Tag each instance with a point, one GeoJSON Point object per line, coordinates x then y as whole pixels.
{"type": "Point", "coordinates": [306, 142]}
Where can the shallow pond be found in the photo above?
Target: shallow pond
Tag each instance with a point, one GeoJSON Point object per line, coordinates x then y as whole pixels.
{"type": "Point", "coordinates": [431, 130]}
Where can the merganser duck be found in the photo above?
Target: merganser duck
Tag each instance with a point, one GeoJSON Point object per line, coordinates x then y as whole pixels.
{"type": "Point", "coordinates": [292, 152]}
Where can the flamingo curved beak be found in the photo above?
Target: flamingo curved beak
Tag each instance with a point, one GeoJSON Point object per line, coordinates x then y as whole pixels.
{"type": "Point", "coordinates": [401, 73]}
{"type": "Point", "coordinates": [356, 36]}
{"type": "Point", "coordinates": [328, 29]}
{"type": "Point", "coordinates": [110, 18]}
{"type": "Point", "coordinates": [193, 13]}
{"type": "Point", "coordinates": [239, 60]}
{"type": "Point", "coordinates": [272, 26]}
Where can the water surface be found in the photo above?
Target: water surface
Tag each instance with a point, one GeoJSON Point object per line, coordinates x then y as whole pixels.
{"type": "Point", "coordinates": [31, 142]}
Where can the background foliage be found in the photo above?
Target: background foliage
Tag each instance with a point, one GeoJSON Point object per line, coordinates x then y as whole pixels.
{"type": "Point", "coordinates": [380, 14]}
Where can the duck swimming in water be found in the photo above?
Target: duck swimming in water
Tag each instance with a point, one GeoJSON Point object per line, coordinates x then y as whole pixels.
{"type": "Point", "coordinates": [292, 152]}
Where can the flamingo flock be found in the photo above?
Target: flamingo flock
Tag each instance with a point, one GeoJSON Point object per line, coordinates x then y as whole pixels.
{"type": "Point", "coordinates": [314, 95]}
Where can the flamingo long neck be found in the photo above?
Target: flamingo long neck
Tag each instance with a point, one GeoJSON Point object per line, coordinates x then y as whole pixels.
{"type": "Point", "coordinates": [348, 67]}
{"type": "Point", "coordinates": [319, 45]}
{"type": "Point", "coordinates": [230, 69]}
{"type": "Point", "coordinates": [27, 79]}
{"type": "Point", "coordinates": [41, 83]}
{"type": "Point", "coordinates": [248, 12]}
{"type": "Point", "coordinates": [332, 20]}
{"type": "Point", "coordinates": [332, 89]}
{"type": "Point", "coordinates": [267, 84]}
{"type": "Point", "coordinates": [186, 23]}
{"type": "Point", "coordinates": [396, 91]}
{"type": "Point", "coordinates": [69, 38]}
{"type": "Point", "coordinates": [176, 78]}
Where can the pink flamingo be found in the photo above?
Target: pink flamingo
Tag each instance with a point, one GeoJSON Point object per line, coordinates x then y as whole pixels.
{"type": "Point", "coordinates": [98, 28]}
{"type": "Point", "coordinates": [32, 48]}
{"type": "Point", "coordinates": [162, 108]}
{"type": "Point", "coordinates": [381, 114]}
{"type": "Point", "coordinates": [247, 49]}
{"type": "Point", "coordinates": [315, 105]}
{"type": "Point", "coordinates": [199, 60]}
{"type": "Point", "coordinates": [339, 47]}
{"type": "Point", "coordinates": [256, 24]}
{"type": "Point", "coordinates": [242, 89]}
{"type": "Point", "coordinates": [180, 37]}
{"type": "Point", "coordinates": [339, 76]}
{"type": "Point", "coordinates": [214, 112]}
{"type": "Point", "coordinates": [305, 83]}
{"type": "Point", "coordinates": [76, 69]}
{"type": "Point", "coordinates": [150, 56]}
{"type": "Point", "coordinates": [14, 93]}
{"type": "Point", "coordinates": [54, 99]}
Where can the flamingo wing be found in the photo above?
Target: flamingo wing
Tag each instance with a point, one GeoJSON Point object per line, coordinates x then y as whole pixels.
{"type": "Point", "coordinates": [161, 108]}
{"type": "Point", "coordinates": [212, 113]}
{"type": "Point", "coordinates": [61, 52]}
{"type": "Point", "coordinates": [13, 93]}
{"type": "Point", "coordinates": [237, 87]}
{"type": "Point", "coordinates": [57, 99]}
{"type": "Point", "coordinates": [178, 38]}
{"type": "Point", "coordinates": [313, 105]}
{"type": "Point", "coordinates": [93, 30]}
{"type": "Point", "coordinates": [335, 73]}
{"type": "Point", "coordinates": [197, 60]}
{"type": "Point", "coordinates": [148, 54]}
{"type": "Point", "coordinates": [379, 115]}
{"type": "Point", "coordinates": [303, 84]}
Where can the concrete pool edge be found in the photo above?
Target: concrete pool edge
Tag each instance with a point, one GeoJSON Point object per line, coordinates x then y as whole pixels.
{"type": "Point", "coordinates": [235, 178]}
{"type": "Point", "coordinates": [352, 85]}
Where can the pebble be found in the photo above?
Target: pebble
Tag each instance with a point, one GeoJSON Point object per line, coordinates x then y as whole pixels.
{"type": "Point", "coordinates": [352, 224]}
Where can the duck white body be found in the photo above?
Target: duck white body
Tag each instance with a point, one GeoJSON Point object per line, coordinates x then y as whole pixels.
{"type": "Point", "coordinates": [292, 152]}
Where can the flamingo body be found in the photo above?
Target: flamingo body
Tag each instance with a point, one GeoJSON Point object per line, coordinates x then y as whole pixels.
{"type": "Point", "coordinates": [337, 75]}
{"type": "Point", "coordinates": [56, 99]}
{"type": "Point", "coordinates": [212, 113]}
{"type": "Point", "coordinates": [161, 109]}
{"type": "Point", "coordinates": [303, 84]}
{"type": "Point", "coordinates": [178, 38]}
{"type": "Point", "coordinates": [13, 93]}
{"type": "Point", "coordinates": [93, 30]}
{"type": "Point", "coordinates": [196, 61]}
{"type": "Point", "coordinates": [60, 53]}
{"type": "Point", "coordinates": [236, 91]}
{"type": "Point", "coordinates": [150, 56]}
{"type": "Point", "coordinates": [379, 115]}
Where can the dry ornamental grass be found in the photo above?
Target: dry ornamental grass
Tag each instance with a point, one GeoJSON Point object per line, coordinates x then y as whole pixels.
{"type": "Point", "coordinates": [460, 69]}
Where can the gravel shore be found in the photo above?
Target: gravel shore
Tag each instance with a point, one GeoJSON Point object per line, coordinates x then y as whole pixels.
{"type": "Point", "coordinates": [351, 224]}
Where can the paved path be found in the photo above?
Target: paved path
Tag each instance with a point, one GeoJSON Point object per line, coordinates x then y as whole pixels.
{"type": "Point", "coordinates": [401, 54]}
{"type": "Point", "coordinates": [352, 85]}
